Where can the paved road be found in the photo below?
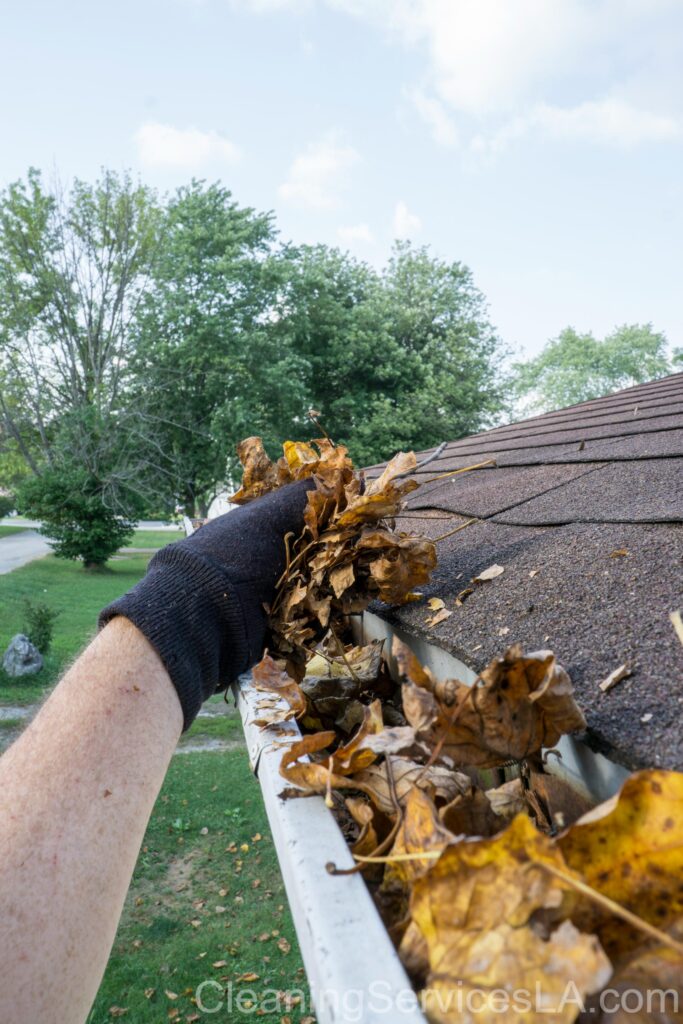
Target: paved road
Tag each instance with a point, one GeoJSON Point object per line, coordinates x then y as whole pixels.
{"type": "Point", "coordinates": [144, 524]}
{"type": "Point", "coordinates": [20, 548]}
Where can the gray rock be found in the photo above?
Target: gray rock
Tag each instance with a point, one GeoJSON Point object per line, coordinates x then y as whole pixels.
{"type": "Point", "coordinates": [22, 658]}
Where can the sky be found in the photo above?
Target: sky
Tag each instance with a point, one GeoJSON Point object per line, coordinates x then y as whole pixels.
{"type": "Point", "coordinates": [538, 141]}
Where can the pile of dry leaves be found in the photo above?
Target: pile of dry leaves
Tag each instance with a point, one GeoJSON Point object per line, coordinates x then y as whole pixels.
{"type": "Point", "coordinates": [484, 884]}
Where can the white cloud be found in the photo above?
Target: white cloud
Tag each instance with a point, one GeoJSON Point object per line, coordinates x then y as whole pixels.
{"type": "Point", "coordinates": [609, 122]}
{"type": "Point", "coordinates": [269, 6]}
{"type": "Point", "coordinates": [163, 145]}
{"type": "Point", "coordinates": [603, 71]}
{"type": "Point", "coordinates": [507, 68]}
{"type": "Point", "coordinates": [319, 175]}
{"type": "Point", "coordinates": [406, 224]}
{"type": "Point", "coordinates": [435, 115]}
{"type": "Point", "coordinates": [356, 233]}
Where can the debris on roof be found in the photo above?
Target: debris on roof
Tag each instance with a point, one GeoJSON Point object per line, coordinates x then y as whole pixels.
{"type": "Point", "coordinates": [584, 509]}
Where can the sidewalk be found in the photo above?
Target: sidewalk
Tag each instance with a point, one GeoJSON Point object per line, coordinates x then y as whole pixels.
{"type": "Point", "coordinates": [20, 548]}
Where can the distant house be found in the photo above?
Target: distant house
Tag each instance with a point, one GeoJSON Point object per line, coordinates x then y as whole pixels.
{"type": "Point", "coordinates": [584, 510]}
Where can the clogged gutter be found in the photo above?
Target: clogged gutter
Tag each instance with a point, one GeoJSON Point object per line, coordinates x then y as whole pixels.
{"type": "Point", "coordinates": [483, 884]}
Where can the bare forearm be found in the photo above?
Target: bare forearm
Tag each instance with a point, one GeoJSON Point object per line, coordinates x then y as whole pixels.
{"type": "Point", "coordinates": [76, 792]}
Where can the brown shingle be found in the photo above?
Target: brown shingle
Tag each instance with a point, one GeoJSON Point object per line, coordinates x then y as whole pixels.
{"type": "Point", "coordinates": [569, 489]}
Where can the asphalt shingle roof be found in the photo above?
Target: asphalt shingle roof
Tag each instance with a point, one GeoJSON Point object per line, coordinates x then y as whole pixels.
{"type": "Point", "coordinates": [570, 491]}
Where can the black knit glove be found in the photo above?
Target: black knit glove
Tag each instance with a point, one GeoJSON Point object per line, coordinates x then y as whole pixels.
{"type": "Point", "coordinates": [201, 602]}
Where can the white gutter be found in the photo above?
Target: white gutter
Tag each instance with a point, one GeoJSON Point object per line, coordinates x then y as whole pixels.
{"type": "Point", "coordinates": [353, 969]}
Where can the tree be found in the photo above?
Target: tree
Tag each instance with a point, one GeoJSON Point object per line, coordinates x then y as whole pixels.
{"type": "Point", "coordinates": [402, 359]}
{"type": "Point", "coordinates": [205, 357]}
{"type": "Point", "coordinates": [73, 267]}
{"type": "Point", "coordinates": [577, 367]}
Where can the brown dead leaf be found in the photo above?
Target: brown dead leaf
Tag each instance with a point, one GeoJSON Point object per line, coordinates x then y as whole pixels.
{"type": "Point", "coordinates": [354, 756]}
{"type": "Point", "coordinates": [349, 551]}
{"type": "Point", "coordinates": [342, 578]}
{"type": "Point", "coordinates": [259, 474]}
{"type": "Point", "coordinates": [677, 623]}
{"type": "Point", "coordinates": [520, 704]}
{"type": "Point", "coordinates": [507, 800]}
{"type": "Point", "coordinates": [271, 676]}
{"type": "Point", "coordinates": [442, 783]}
{"type": "Point", "coordinates": [400, 465]}
{"type": "Point", "coordinates": [420, 830]}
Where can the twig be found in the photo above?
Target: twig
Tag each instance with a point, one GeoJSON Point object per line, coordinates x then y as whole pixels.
{"type": "Point", "coordinates": [456, 530]}
{"type": "Point", "coordinates": [328, 792]}
{"type": "Point", "coordinates": [340, 648]}
{"type": "Point", "coordinates": [396, 858]}
{"type": "Point", "coordinates": [454, 472]}
{"type": "Point", "coordinates": [575, 883]}
{"type": "Point", "coordinates": [612, 907]}
{"type": "Point", "coordinates": [423, 462]}
{"type": "Point", "coordinates": [332, 868]}
{"type": "Point", "coordinates": [313, 415]}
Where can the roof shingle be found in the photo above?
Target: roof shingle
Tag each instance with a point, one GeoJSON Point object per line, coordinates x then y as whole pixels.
{"type": "Point", "coordinates": [570, 492]}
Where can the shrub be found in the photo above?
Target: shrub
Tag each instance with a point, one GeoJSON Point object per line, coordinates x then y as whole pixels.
{"type": "Point", "coordinates": [7, 503]}
{"type": "Point", "coordinates": [75, 516]}
{"type": "Point", "coordinates": [39, 624]}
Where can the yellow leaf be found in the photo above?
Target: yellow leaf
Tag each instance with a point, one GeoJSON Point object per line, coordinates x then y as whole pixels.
{"type": "Point", "coordinates": [420, 830]}
{"type": "Point", "coordinates": [630, 849]}
{"type": "Point", "coordinates": [474, 910]}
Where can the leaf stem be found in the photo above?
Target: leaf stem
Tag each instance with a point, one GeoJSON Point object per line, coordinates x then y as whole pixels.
{"type": "Point", "coordinates": [613, 907]}
{"type": "Point", "coordinates": [456, 530]}
{"type": "Point", "coordinates": [454, 472]}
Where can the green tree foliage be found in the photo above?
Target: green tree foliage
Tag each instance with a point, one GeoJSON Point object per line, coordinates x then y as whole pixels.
{"type": "Point", "coordinates": [77, 520]}
{"type": "Point", "coordinates": [139, 344]}
{"type": "Point", "coordinates": [577, 367]}
{"type": "Point", "coordinates": [73, 267]}
{"type": "Point", "coordinates": [206, 362]}
{"type": "Point", "coordinates": [400, 359]}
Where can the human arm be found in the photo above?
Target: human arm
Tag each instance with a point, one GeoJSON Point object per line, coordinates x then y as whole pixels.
{"type": "Point", "coordinates": [76, 792]}
{"type": "Point", "coordinates": [77, 788]}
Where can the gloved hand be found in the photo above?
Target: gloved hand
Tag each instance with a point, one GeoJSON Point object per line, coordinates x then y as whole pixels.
{"type": "Point", "coordinates": [201, 602]}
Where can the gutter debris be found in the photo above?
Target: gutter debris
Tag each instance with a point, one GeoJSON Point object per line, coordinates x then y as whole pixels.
{"type": "Point", "coordinates": [483, 882]}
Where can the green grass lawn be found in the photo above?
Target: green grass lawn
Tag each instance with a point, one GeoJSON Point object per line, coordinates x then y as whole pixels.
{"type": "Point", "coordinates": [154, 538]}
{"type": "Point", "coordinates": [206, 902]}
{"type": "Point", "coordinates": [7, 531]}
{"type": "Point", "coordinates": [76, 594]}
